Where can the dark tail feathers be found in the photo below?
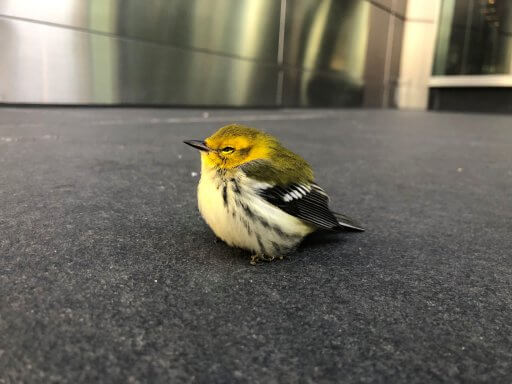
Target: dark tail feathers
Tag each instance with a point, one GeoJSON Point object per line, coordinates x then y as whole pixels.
{"type": "Point", "coordinates": [348, 223]}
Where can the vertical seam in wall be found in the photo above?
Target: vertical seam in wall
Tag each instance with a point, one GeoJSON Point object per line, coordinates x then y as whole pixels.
{"type": "Point", "coordinates": [467, 32]}
{"type": "Point", "coordinates": [280, 54]}
{"type": "Point", "coordinates": [282, 21]}
{"type": "Point", "coordinates": [387, 62]}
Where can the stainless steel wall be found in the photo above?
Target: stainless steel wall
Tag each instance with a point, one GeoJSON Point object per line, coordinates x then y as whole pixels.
{"type": "Point", "coordinates": [200, 52]}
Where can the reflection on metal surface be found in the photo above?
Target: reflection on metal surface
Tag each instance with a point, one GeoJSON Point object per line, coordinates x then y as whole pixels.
{"type": "Point", "coordinates": [196, 52]}
{"type": "Point", "coordinates": [53, 65]}
{"type": "Point", "coordinates": [326, 41]}
{"type": "Point", "coordinates": [327, 35]}
{"type": "Point", "coordinates": [243, 28]}
{"type": "Point", "coordinates": [382, 59]}
{"type": "Point", "coordinates": [317, 89]}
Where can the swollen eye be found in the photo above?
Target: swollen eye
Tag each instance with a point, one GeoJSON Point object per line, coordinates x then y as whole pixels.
{"type": "Point", "coordinates": [228, 149]}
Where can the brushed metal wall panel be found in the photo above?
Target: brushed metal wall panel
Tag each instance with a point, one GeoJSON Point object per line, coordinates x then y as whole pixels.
{"type": "Point", "coordinates": [320, 89]}
{"type": "Point", "coordinates": [376, 73]}
{"type": "Point", "coordinates": [327, 35]}
{"type": "Point", "coordinates": [197, 52]}
{"type": "Point", "coordinates": [394, 65]}
{"type": "Point", "coordinates": [243, 28]}
{"type": "Point", "coordinates": [46, 64]}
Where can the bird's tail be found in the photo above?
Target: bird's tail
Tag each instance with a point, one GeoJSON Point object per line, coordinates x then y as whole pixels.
{"type": "Point", "coordinates": [347, 222]}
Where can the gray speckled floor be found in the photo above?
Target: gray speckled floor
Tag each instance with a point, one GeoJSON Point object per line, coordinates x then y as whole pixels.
{"type": "Point", "coordinates": [108, 273]}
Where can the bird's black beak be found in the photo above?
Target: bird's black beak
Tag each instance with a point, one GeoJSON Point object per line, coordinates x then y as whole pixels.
{"type": "Point", "coordinates": [198, 144]}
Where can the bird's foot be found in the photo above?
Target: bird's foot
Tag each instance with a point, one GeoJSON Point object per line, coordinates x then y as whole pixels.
{"type": "Point", "coordinates": [259, 257]}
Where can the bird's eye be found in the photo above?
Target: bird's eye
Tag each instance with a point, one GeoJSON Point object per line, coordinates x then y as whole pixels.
{"type": "Point", "coordinates": [227, 149]}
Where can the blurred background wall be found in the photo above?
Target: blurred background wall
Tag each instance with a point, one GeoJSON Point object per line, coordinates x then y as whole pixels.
{"type": "Point", "coordinates": [200, 52]}
{"type": "Point", "coordinates": [250, 53]}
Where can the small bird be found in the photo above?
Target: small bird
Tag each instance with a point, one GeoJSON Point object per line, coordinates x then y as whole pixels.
{"type": "Point", "coordinates": [259, 196]}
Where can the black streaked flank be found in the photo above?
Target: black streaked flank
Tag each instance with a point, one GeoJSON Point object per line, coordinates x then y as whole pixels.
{"type": "Point", "coordinates": [280, 232]}
{"type": "Point", "coordinates": [263, 222]}
{"type": "Point", "coordinates": [246, 225]}
{"type": "Point", "coordinates": [277, 248]}
{"type": "Point", "coordinates": [235, 186]}
{"type": "Point", "coordinates": [225, 195]}
{"type": "Point", "coordinates": [247, 211]}
{"type": "Point", "coordinates": [261, 245]}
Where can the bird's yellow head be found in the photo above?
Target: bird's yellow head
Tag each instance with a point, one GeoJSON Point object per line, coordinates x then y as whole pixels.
{"type": "Point", "coordinates": [234, 145]}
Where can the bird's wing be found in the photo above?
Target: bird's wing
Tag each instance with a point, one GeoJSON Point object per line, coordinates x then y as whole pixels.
{"type": "Point", "coordinates": [304, 200]}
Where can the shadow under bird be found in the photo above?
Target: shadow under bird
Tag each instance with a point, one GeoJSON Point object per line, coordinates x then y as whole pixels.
{"type": "Point", "coordinates": [257, 195]}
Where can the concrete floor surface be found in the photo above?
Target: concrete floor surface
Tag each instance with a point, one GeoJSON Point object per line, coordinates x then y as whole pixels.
{"type": "Point", "coordinates": [109, 274]}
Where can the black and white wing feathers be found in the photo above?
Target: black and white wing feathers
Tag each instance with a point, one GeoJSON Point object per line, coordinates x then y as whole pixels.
{"type": "Point", "coordinates": [308, 202]}
{"type": "Point", "coordinates": [303, 199]}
